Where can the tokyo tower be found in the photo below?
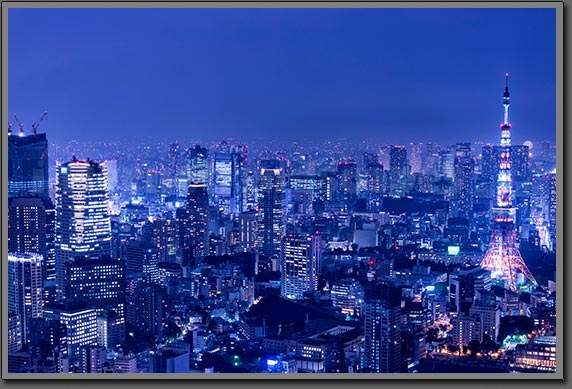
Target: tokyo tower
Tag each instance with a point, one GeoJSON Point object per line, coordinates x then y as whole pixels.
{"type": "Point", "coordinates": [503, 257]}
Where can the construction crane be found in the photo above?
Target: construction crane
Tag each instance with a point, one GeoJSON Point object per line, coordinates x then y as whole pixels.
{"type": "Point", "coordinates": [20, 124]}
{"type": "Point", "coordinates": [37, 123]}
{"type": "Point", "coordinates": [9, 128]}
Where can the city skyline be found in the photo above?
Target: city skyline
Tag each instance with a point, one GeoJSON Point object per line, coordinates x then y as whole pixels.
{"type": "Point", "coordinates": [271, 80]}
{"type": "Point", "coordinates": [376, 237]}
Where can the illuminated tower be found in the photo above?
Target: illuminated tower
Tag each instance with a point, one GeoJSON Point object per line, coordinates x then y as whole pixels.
{"type": "Point", "coordinates": [503, 257]}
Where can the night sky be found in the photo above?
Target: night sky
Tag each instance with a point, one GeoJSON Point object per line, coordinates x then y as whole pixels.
{"type": "Point", "coordinates": [389, 76]}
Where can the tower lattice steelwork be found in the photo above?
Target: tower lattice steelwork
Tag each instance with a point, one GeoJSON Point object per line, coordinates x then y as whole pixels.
{"type": "Point", "coordinates": [503, 257]}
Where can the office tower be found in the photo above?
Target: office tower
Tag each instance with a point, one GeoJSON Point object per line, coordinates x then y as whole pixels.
{"type": "Point", "coordinates": [99, 284]}
{"type": "Point", "coordinates": [489, 163]}
{"type": "Point", "coordinates": [464, 181]}
{"type": "Point", "coordinates": [197, 209]}
{"type": "Point", "coordinates": [223, 172]}
{"type": "Point", "coordinates": [375, 178]}
{"type": "Point", "coordinates": [92, 359]}
{"type": "Point", "coordinates": [25, 290]}
{"type": "Point", "coordinates": [415, 153]}
{"type": "Point", "coordinates": [446, 164]}
{"type": "Point", "coordinates": [83, 225]}
{"type": "Point", "coordinates": [271, 208]}
{"type": "Point", "coordinates": [28, 165]}
{"type": "Point", "coordinates": [141, 257]}
{"type": "Point", "coordinates": [331, 186]}
{"type": "Point", "coordinates": [300, 268]}
{"type": "Point", "coordinates": [238, 199]}
{"type": "Point", "coordinates": [347, 182]}
{"type": "Point", "coordinates": [382, 328]}
{"type": "Point", "coordinates": [31, 229]}
{"type": "Point", "coordinates": [112, 175]}
{"type": "Point", "coordinates": [165, 238]}
{"type": "Point", "coordinates": [145, 308]}
{"type": "Point", "coordinates": [75, 326]}
{"type": "Point", "coordinates": [397, 168]}
{"type": "Point", "coordinates": [348, 294]}
{"type": "Point", "coordinates": [489, 316]}
{"type": "Point", "coordinates": [427, 159]}
{"type": "Point", "coordinates": [315, 184]}
{"type": "Point", "coordinates": [248, 227]}
{"type": "Point", "coordinates": [173, 160]}
{"type": "Point", "coordinates": [251, 197]}
{"type": "Point", "coordinates": [14, 332]}
{"type": "Point", "coordinates": [110, 329]}
{"type": "Point", "coordinates": [466, 329]}
{"type": "Point", "coordinates": [198, 166]}
{"type": "Point", "coordinates": [503, 257]}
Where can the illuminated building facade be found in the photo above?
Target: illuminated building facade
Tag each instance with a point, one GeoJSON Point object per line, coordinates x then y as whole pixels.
{"type": "Point", "coordinates": [382, 329]}
{"type": "Point", "coordinates": [31, 224]}
{"type": "Point", "coordinates": [25, 290]}
{"type": "Point", "coordinates": [348, 295]}
{"type": "Point", "coordinates": [301, 257]}
{"type": "Point", "coordinates": [83, 224]}
{"type": "Point", "coordinates": [464, 181]}
{"type": "Point", "coordinates": [271, 208]}
{"type": "Point", "coordinates": [198, 166]}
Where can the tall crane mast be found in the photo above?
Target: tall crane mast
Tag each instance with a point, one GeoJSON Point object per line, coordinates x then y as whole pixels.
{"type": "Point", "coordinates": [37, 123]}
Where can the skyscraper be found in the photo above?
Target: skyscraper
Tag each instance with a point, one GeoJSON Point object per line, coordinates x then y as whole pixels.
{"type": "Point", "coordinates": [383, 328]}
{"type": "Point", "coordinates": [31, 229]}
{"type": "Point", "coordinates": [397, 167]}
{"type": "Point", "coordinates": [464, 181]}
{"type": "Point", "coordinates": [198, 166]}
{"type": "Point", "coordinates": [223, 175]}
{"type": "Point", "coordinates": [28, 165]}
{"type": "Point", "coordinates": [25, 291]}
{"type": "Point", "coordinates": [197, 208]}
{"type": "Point", "coordinates": [301, 257]}
{"type": "Point", "coordinates": [271, 208]}
{"type": "Point", "coordinates": [83, 225]}
{"type": "Point", "coordinates": [347, 182]}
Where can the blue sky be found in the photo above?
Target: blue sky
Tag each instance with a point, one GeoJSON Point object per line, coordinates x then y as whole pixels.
{"type": "Point", "coordinates": [384, 75]}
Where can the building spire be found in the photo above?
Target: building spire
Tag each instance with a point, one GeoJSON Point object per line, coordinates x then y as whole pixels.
{"type": "Point", "coordinates": [506, 100]}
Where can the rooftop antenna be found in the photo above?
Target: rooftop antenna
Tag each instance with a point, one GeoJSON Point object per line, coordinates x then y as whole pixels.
{"type": "Point", "coordinates": [37, 123]}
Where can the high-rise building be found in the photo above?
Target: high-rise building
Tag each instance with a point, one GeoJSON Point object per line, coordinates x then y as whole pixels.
{"type": "Point", "coordinates": [348, 295]}
{"type": "Point", "coordinates": [25, 290]}
{"type": "Point", "coordinates": [83, 224]}
{"type": "Point", "coordinates": [375, 187]}
{"type": "Point", "coordinates": [31, 229]}
{"type": "Point", "coordinates": [79, 328]}
{"type": "Point", "coordinates": [446, 164]}
{"type": "Point", "coordinates": [248, 227]}
{"type": "Point", "coordinates": [198, 166]}
{"type": "Point", "coordinates": [14, 332]}
{"type": "Point", "coordinates": [251, 196]}
{"type": "Point", "coordinates": [489, 315]}
{"type": "Point", "coordinates": [397, 167]}
{"type": "Point", "coordinates": [238, 199]}
{"type": "Point", "coordinates": [141, 257]}
{"type": "Point", "coordinates": [415, 153]}
{"type": "Point", "coordinates": [271, 208]}
{"type": "Point", "coordinates": [28, 165]}
{"type": "Point", "coordinates": [464, 181]}
{"type": "Point", "coordinates": [300, 267]}
{"type": "Point", "coordinates": [382, 328]}
{"type": "Point", "coordinates": [100, 284]}
{"type": "Point", "coordinates": [347, 182]}
{"type": "Point", "coordinates": [223, 174]}
{"type": "Point", "coordinates": [197, 210]}
{"type": "Point", "coordinates": [165, 238]}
